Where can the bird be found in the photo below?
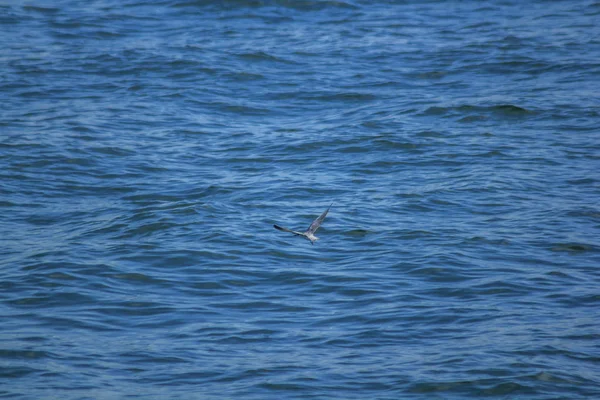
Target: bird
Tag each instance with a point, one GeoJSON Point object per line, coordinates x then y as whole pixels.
{"type": "Point", "coordinates": [310, 232]}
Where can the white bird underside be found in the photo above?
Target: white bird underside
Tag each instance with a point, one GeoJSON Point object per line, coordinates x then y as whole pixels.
{"type": "Point", "coordinates": [310, 232]}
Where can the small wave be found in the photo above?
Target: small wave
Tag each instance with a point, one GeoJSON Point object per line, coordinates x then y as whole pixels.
{"type": "Point", "coordinates": [484, 387]}
{"type": "Point", "coordinates": [262, 56]}
{"type": "Point", "coordinates": [42, 10]}
{"type": "Point", "coordinates": [477, 113]}
{"type": "Point", "coordinates": [574, 247]}
{"type": "Point", "coordinates": [345, 96]}
{"type": "Point", "coordinates": [298, 5]}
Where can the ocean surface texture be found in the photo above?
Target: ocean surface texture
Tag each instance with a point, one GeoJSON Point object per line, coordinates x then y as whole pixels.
{"type": "Point", "coordinates": [148, 147]}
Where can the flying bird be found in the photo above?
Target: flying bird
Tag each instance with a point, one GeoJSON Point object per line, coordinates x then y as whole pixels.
{"type": "Point", "coordinates": [310, 232]}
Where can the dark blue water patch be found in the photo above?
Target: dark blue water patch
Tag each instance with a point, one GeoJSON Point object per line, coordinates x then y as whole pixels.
{"type": "Point", "coordinates": [574, 247]}
{"type": "Point", "coordinates": [149, 148]}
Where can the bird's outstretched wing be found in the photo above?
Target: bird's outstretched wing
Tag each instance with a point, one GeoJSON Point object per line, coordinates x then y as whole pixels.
{"type": "Point", "coordinates": [287, 230]}
{"type": "Point", "coordinates": [317, 222]}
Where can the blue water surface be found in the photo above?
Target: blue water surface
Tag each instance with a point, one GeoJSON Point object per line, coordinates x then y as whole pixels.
{"type": "Point", "coordinates": [147, 149]}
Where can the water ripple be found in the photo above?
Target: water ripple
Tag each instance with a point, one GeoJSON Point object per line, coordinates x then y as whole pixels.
{"type": "Point", "coordinates": [147, 151]}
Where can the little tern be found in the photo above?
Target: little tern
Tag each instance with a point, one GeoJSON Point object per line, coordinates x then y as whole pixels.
{"type": "Point", "coordinates": [310, 232]}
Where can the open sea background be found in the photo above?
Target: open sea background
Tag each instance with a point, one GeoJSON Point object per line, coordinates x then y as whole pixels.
{"type": "Point", "coordinates": [147, 148]}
